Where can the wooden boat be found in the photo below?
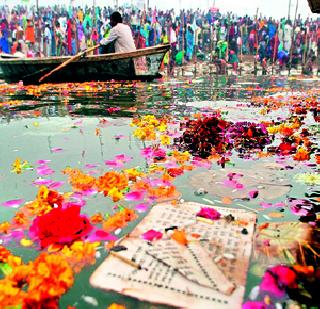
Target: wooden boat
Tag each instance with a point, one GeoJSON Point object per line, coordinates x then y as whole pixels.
{"type": "Point", "coordinates": [314, 6]}
{"type": "Point", "coordinates": [142, 64]}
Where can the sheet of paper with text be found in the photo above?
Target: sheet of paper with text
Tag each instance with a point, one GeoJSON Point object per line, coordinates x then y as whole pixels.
{"type": "Point", "coordinates": [207, 273]}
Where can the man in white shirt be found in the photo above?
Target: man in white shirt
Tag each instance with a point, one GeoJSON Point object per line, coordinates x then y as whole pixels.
{"type": "Point", "coordinates": [120, 34]}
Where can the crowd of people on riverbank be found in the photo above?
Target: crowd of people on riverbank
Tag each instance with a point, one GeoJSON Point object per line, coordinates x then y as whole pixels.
{"type": "Point", "coordinates": [221, 38]}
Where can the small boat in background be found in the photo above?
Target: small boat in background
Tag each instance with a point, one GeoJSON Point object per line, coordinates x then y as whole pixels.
{"type": "Point", "coordinates": [142, 64]}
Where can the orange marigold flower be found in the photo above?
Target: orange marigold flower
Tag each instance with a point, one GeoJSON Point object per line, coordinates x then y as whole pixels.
{"type": "Point", "coordinates": [19, 274]}
{"type": "Point", "coordinates": [45, 201]}
{"type": "Point", "coordinates": [119, 220]}
{"type": "Point", "coordinates": [80, 181]}
{"type": "Point", "coordinates": [301, 155]}
{"type": "Point", "coordinates": [20, 218]}
{"type": "Point", "coordinates": [112, 180]}
{"type": "Point", "coordinates": [286, 131]}
{"type": "Point", "coordinates": [4, 254]}
{"type": "Point", "coordinates": [305, 270]}
{"type": "Point", "coordinates": [163, 193]}
{"type": "Point", "coordinates": [4, 227]}
{"type": "Point", "coordinates": [140, 186]}
{"type": "Point", "coordinates": [10, 296]}
{"type": "Point", "coordinates": [96, 218]}
{"type": "Point", "coordinates": [50, 277]}
{"type": "Point", "coordinates": [80, 254]}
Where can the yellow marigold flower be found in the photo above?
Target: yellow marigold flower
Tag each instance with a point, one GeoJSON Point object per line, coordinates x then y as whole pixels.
{"type": "Point", "coordinates": [116, 306]}
{"type": "Point", "coordinates": [115, 194]}
{"type": "Point", "coordinates": [133, 173]}
{"type": "Point", "coordinates": [18, 165]}
{"type": "Point", "coordinates": [14, 261]}
{"type": "Point", "coordinates": [140, 134]}
{"type": "Point", "coordinates": [26, 242]}
{"type": "Point", "coordinates": [181, 157]}
{"type": "Point", "coordinates": [162, 127]}
{"type": "Point", "coordinates": [273, 129]}
{"type": "Point", "coordinates": [145, 133]}
{"type": "Point", "coordinates": [165, 139]}
{"type": "Point", "coordinates": [150, 119]}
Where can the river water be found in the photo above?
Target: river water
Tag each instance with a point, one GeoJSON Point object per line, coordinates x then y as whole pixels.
{"type": "Point", "coordinates": [60, 122]}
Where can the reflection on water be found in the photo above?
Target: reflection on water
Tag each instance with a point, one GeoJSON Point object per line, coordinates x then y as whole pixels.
{"type": "Point", "coordinates": [160, 97]}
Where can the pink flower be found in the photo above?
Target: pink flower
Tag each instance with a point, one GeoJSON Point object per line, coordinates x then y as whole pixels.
{"type": "Point", "coordinates": [123, 157]}
{"type": "Point", "coordinates": [42, 162]}
{"type": "Point", "coordinates": [150, 152]}
{"type": "Point", "coordinates": [42, 182]}
{"type": "Point", "coordinates": [198, 162]}
{"type": "Point", "coordinates": [151, 235]}
{"type": "Point", "coordinates": [91, 165]}
{"type": "Point", "coordinates": [13, 203]}
{"type": "Point", "coordinates": [278, 279]}
{"type": "Point", "coordinates": [141, 207]}
{"type": "Point", "coordinates": [134, 196]}
{"type": "Point", "coordinates": [114, 163]}
{"type": "Point", "coordinates": [146, 152]}
{"type": "Point", "coordinates": [44, 170]}
{"type": "Point", "coordinates": [254, 305]}
{"type": "Point", "coordinates": [159, 153]}
{"type": "Point", "coordinates": [269, 205]}
{"type": "Point", "coordinates": [296, 210]}
{"type": "Point", "coordinates": [209, 213]}
{"type": "Point", "coordinates": [100, 235]}
{"type": "Point", "coordinates": [118, 161]}
{"type": "Point", "coordinates": [55, 184]}
{"type": "Point", "coordinates": [56, 149]}
{"type": "Point", "coordinates": [253, 193]}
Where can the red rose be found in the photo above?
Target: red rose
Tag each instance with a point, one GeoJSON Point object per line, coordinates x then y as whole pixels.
{"type": "Point", "coordinates": [60, 226]}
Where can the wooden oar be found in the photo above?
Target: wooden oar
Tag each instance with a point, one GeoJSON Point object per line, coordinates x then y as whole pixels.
{"type": "Point", "coordinates": [74, 58]}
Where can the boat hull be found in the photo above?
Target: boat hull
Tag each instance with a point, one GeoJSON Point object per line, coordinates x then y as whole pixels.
{"type": "Point", "coordinates": [138, 65]}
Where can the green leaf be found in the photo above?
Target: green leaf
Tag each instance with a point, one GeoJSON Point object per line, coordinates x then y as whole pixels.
{"type": "Point", "coordinates": [5, 268]}
{"type": "Point", "coordinates": [121, 208]}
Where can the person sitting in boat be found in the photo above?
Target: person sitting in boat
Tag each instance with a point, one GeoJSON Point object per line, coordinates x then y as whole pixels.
{"type": "Point", "coordinates": [120, 34]}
